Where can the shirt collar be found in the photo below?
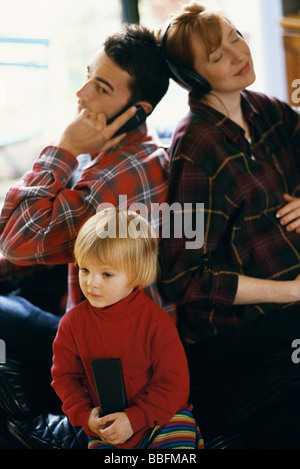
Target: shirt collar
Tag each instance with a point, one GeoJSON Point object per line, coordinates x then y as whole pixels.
{"type": "Point", "coordinates": [138, 134]}
{"type": "Point", "coordinates": [123, 309]}
{"type": "Point", "coordinates": [227, 126]}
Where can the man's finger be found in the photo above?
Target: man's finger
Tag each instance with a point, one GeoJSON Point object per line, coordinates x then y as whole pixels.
{"type": "Point", "coordinates": [84, 113]}
{"type": "Point", "coordinates": [119, 121]}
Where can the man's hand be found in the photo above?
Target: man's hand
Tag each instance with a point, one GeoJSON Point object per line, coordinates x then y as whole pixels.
{"type": "Point", "coordinates": [89, 133]}
{"type": "Point", "coordinates": [289, 214]}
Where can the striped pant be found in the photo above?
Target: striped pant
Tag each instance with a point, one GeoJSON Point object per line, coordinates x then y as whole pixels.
{"type": "Point", "coordinates": [181, 432]}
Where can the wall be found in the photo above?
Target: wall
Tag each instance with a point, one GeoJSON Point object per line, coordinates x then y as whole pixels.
{"type": "Point", "coordinates": [290, 6]}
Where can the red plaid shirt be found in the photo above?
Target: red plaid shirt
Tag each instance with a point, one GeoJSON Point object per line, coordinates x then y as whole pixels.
{"type": "Point", "coordinates": [41, 216]}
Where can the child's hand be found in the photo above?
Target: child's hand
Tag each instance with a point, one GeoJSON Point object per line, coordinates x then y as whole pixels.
{"type": "Point", "coordinates": [93, 421]}
{"type": "Point", "coordinates": [116, 428]}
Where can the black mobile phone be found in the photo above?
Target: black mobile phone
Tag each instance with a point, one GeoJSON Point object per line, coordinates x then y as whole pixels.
{"type": "Point", "coordinates": [108, 376]}
{"type": "Point", "coordinates": [139, 117]}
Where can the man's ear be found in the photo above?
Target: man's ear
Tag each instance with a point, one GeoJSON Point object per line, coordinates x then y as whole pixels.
{"type": "Point", "coordinates": [146, 106]}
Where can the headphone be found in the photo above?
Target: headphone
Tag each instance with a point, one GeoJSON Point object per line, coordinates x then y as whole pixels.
{"type": "Point", "coordinates": [185, 77]}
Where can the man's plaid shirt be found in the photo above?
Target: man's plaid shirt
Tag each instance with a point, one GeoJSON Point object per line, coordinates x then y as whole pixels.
{"type": "Point", "coordinates": [241, 185]}
{"type": "Point", "coordinates": [41, 217]}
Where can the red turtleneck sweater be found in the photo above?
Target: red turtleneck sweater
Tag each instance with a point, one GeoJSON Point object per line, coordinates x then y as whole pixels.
{"type": "Point", "coordinates": [155, 369]}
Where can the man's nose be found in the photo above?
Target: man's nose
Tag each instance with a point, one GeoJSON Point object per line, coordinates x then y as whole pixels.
{"type": "Point", "coordinates": [85, 91]}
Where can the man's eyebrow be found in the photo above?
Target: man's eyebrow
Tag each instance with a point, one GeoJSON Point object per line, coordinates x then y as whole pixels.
{"type": "Point", "coordinates": [102, 80]}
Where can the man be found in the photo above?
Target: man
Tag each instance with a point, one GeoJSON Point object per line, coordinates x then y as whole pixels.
{"type": "Point", "coordinates": [42, 215]}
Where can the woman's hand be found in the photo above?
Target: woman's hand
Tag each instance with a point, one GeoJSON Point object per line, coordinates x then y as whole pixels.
{"type": "Point", "coordinates": [289, 214]}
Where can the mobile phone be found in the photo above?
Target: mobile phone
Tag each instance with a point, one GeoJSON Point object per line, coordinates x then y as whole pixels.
{"type": "Point", "coordinates": [108, 377]}
{"type": "Point", "coordinates": [139, 117]}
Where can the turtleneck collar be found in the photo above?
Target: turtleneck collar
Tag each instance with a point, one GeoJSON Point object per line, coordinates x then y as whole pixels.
{"type": "Point", "coordinates": [121, 310]}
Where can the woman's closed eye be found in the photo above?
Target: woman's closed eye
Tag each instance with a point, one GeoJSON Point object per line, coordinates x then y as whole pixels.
{"type": "Point", "coordinates": [217, 59]}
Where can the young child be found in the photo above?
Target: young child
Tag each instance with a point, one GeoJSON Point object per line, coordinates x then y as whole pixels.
{"type": "Point", "coordinates": [116, 252]}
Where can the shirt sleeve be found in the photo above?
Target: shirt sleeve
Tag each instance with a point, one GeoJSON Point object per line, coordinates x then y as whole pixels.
{"type": "Point", "coordinates": [168, 389]}
{"type": "Point", "coordinates": [9, 271]}
{"type": "Point", "coordinates": [40, 216]}
{"type": "Point", "coordinates": [195, 273]}
{"type": "Point", "coordinates": [69, 380]}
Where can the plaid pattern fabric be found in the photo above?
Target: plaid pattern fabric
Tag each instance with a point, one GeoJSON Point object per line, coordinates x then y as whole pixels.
{"type": "Point", "coordinates": [181, 432]}
{"type": "Point", "coordinates": [41, 215]}
{"type": "Point", "coordinates": [241, 185]}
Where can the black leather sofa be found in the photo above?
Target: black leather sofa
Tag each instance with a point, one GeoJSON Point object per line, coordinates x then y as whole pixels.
{"type": "Point", "coordinates": [31, 416]}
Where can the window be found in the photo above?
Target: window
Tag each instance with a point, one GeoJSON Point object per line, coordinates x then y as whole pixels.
{"type": "Point", "coordinates": [44, 49]}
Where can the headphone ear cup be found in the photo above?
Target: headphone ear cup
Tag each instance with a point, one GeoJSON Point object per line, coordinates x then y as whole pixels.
{"type": "Point", "coordinates": [195, 82]}
{"type": "Point", "coordinates": [189, 79]}
{"type": "Point", "coordinates": [183, 76]}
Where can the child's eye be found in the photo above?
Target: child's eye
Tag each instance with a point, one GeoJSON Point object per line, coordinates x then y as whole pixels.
{"type": "Point", "coordinates": [107, 274]}
{"type": "Point", "coordinates": [83, 270]}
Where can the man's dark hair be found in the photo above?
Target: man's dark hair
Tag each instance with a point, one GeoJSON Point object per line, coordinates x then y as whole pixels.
{"type": "Point", "coordinates": [136, 50]}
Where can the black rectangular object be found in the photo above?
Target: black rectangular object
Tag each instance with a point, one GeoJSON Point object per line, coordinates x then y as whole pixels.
{"type": "Point", "coordinates": [109, 383]}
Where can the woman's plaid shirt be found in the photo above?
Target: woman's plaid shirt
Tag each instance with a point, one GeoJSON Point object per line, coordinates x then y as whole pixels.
{"type": "Point", "coordinates": [241, 185]}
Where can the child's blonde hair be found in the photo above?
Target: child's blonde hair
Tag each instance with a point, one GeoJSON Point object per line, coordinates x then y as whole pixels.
{"type": "Point", "coordinates": [123, 240]}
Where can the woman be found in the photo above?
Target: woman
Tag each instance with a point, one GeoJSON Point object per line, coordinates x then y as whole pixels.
{"type": "Point", "coordinates": [236, 153]}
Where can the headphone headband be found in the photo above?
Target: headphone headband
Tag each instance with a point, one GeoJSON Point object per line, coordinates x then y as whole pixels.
{"type": "Point", "coordinates": [185, 77]}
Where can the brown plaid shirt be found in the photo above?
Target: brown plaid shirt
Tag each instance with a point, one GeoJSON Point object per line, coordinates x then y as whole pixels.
{"type": "Point", "coordinates": [241, 185]}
